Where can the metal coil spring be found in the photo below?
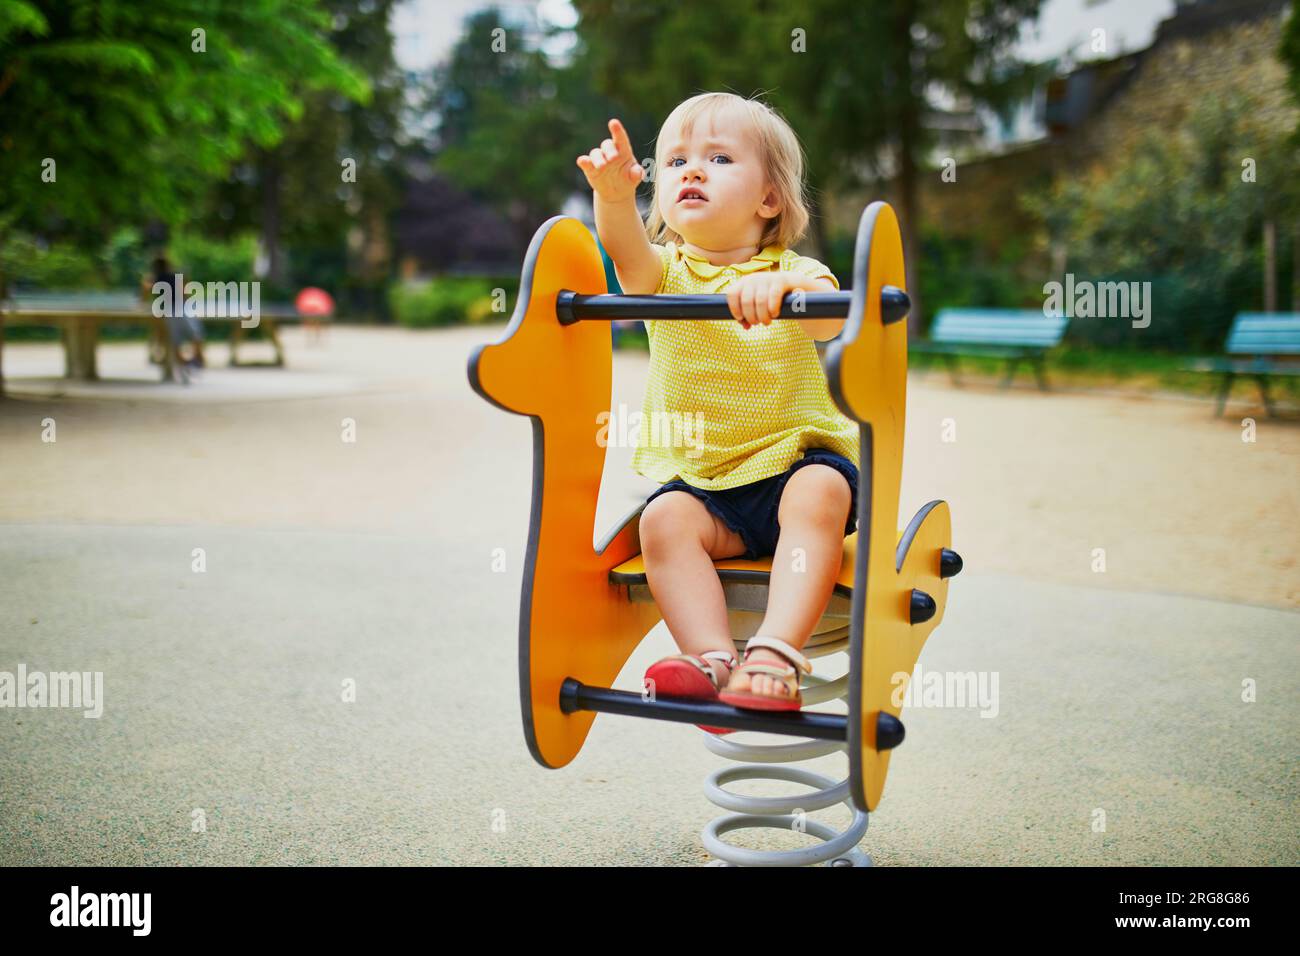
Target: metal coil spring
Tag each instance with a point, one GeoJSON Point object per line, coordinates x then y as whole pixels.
{"type": "Point", "coordinates": [838, 848]}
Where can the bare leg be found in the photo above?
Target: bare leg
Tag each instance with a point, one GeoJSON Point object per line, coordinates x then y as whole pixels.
{"type": "Point", "coordinates": [680, 539]}
{"type": "Point", "coordinates": [813, 510]}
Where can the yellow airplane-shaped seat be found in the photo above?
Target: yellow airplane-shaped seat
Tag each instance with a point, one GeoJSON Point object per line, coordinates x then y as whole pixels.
{"type": "Point", "coordinates": [745, 586]}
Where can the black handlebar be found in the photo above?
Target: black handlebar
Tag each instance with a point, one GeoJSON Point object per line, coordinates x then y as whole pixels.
{"type": "Point", "coordinates": [573, 307]}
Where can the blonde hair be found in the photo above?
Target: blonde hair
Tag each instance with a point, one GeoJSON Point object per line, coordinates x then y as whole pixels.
{"type": "Point", "coordinates": [779, 151]}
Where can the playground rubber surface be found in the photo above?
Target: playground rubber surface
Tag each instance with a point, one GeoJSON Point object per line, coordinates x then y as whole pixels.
{"type": "Point", "coordinates": [339, 685]}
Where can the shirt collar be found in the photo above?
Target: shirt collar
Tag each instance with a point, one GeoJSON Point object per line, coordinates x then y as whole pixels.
{"type": "Point", "coordinates": [707, 270]}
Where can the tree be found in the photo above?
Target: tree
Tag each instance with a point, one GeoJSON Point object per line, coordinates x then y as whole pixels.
{"type": "Point", "coordinates": [511, 122]}
{"type": "Point", "coordinates": [1289, 53]}
{"type": "Point", "coordinates": [338, 167]}
{"type": "Point", "coordinates": [1183, 212]}
{"type": "Point", "coordinates": [854, 79]}
{"type": "Point", "coordinates": [111, 109]}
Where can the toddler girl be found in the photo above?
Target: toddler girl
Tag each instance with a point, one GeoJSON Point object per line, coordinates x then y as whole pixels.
{"type": "Point", "coordinates": [738, 423]}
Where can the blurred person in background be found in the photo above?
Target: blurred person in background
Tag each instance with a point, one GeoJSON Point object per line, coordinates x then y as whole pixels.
{"type": "Point", "coordinates": [186, 329]}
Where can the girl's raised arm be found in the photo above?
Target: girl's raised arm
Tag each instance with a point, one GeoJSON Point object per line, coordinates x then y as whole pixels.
{"type": "Point", "coordinates": [613, 172]}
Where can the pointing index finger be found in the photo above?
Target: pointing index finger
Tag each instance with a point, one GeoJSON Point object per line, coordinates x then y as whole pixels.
{"type": "Point", "coordinates": [619, 135]}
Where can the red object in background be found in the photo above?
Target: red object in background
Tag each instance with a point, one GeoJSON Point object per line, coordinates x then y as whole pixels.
{"type": "Point", "coordinates": [313, 301]}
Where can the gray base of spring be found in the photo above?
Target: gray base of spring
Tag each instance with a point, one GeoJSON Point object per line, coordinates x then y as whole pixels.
{"type": "Point", "coordinates": [838, 848]}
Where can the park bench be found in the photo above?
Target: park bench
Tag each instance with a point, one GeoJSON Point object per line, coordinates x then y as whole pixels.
{"type": "Point", "coordinates": [79, 315]}
{"type": "Point", "coordinates": [1013, 334]}
{"type": "Point", "coordinates": [1262, 341]}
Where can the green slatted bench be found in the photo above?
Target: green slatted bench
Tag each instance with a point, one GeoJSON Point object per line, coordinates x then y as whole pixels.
{"type": "Point", "coordinates": [1265, 343]}
{"type": "Point", "coordinates": [1013, 334]}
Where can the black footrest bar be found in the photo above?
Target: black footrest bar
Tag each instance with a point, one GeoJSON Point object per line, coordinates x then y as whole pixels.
{"type": "Point", "coordinates": [575, 696]}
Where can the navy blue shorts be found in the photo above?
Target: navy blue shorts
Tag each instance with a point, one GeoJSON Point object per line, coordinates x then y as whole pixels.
{"type": "Point", "coordinates": [751, 510]}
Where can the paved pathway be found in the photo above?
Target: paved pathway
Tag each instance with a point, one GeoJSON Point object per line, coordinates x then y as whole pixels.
{"type": "Point", "coordinates": [329, 562]}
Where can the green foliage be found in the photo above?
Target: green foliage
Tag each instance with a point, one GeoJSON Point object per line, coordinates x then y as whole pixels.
{"type": "Point", "coordinates": [295, 193]}
{"type": "Point", "coordinates": [1178, 213]}
{"type": "Point", "coordinates": [125, 259]}
{"type": "Point", "coordinates": [855, 94]}
{"type": "Point", "coordinates": [137, 119]}
{"type": "Point", "coordinates": [205, 259]}
{"type": "Point", "coordinates": [511, 123]}
{"type": "Point", "coordinates": [1289, 53]}
{"type": "Point", "coordinates": [448, 300]}
{"type": "Point", "coordinates": [45, 265]}
{"type": "Point", "coordinates": [862, 71]}
{"type": "Point", "coordinates": [957, 271]}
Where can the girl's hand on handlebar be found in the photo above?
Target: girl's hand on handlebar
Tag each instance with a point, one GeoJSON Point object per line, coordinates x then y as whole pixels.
{"type": "Point", "coordinates": [755, 299]}
{"type": "Point", "coordinates": [611, 168]}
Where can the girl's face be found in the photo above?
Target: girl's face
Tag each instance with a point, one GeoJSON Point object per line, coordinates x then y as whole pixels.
{"type": "Point", "coordinates": [723, 170]}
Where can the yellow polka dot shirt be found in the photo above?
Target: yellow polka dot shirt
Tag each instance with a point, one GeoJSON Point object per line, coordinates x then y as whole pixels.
{"type": "Point", "coordinates": [724, 405]}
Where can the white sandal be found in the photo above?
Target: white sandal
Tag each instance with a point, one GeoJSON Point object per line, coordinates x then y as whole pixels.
{"type": "Point", "coordinates": [789, 676]}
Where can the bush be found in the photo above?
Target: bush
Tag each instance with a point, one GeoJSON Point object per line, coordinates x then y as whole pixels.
{"type": "Point", "coordinates": [449, 300]}
{"type": "Point", "coordinates": [26, 261]}
{"type": "Point", "coordinates": [363, 299]}
{"type": "Point", "coordinates": [125, 258]}
{"type": "Point", "coordinates": [214, 260]}
{"type": "Point", "coordinates": [1178, 212]}
{"type": "Point", "coordinates": [123, 261]}
{"type": "Point", "coordinates": [959, 272]}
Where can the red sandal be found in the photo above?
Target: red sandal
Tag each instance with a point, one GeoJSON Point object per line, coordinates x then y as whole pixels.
{"type": "Point", "coordinates": [689, 676]}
